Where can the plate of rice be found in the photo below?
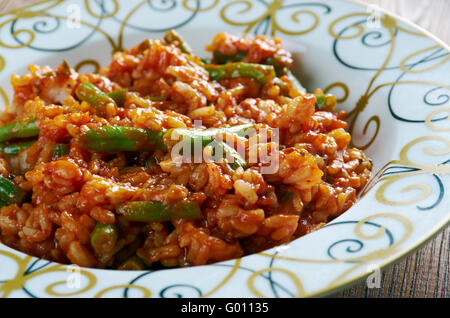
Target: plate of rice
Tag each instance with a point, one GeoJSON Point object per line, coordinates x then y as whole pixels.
{"type": "Point", "coordinates": [216, 148]}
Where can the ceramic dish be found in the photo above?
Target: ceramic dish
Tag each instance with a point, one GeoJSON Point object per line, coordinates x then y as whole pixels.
{"type": "Point", "coordinates": [390, 76]}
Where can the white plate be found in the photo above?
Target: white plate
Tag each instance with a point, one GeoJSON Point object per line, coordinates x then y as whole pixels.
{"type": "Point", "coordinates": [389, 75]}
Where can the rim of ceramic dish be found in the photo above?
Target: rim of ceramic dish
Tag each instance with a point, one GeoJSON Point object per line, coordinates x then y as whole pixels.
{"type": "Point", "coordinates": [413, 247]}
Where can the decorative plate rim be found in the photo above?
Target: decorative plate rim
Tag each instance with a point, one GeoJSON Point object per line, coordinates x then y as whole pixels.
{"type": "Point", "coordinates": [384, 262]}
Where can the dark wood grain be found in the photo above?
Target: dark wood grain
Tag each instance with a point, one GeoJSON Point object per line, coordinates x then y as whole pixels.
{"type": "Point", "coordinates": [425, 272]}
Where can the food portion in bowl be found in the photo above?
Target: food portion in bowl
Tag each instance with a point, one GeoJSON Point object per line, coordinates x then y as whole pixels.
{"type": "Point", "coordinates": [164, 159]}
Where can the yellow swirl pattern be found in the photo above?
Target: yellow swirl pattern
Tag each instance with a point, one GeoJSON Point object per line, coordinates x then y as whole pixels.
{"type": "Point", "coordinates": [2, 92]}
{"type": "Point", "coordinates": [146, 293]}
{"type": "Point", "coordinates": [4, 97]}
{"type": "Point", "coordinates": [230, 14]}
{"type": "Point", "coordinates": [119, 46]}
{"type": "Point", "coordinates": [379, 254]}
{"type": "Point", "coordinates": [358, 232]}
{"type": "Point", "coordinates": [362, 103]}
{"type": "Point", "coordinates": [2, 63]}
{"type": "Point", "coordinates": [341, 85]}
{"type": "Point", "coordinates": [270, 13]}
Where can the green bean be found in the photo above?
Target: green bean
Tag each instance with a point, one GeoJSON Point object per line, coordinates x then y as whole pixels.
{"type": "Point", "coordinates": [262, 73]}
{"type": "Point", "coordinates": [91, 94]}
{"type": "Point", "coordinates": [60, 150]}
{"type": "Point", "coordinates": [119, 96]}
{"type": "Point", "coordinates": [21, 128]}
{"type": "Point", "coordinates": [229, 153]}
{"type": "Point", "coordinates": [115, 139]}
{"type": "Point", "coordinates": [127, 251]}
{"type": "Point", "coordinates": [13, 149]}
{"type": "Point", "coordinates": [104, 238]}
{"type": "Point", "coordinates": [9, 192]}
{"type": "Point", "coordinates": [172, 36]}
{"type": "Point", "coordinates": [133, 263]}
{"type": "Point", "coordinates": [155, 211]}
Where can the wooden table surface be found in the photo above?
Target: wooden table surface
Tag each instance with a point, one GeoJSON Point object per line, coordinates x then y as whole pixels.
{"type": "Point", "coordinates": [425, 272]}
